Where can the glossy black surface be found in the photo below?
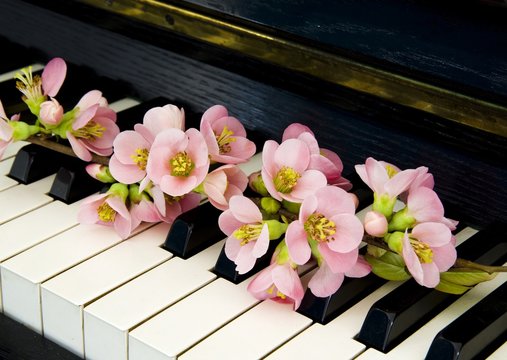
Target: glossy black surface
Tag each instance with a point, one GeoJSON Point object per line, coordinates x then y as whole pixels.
{"type": "Point", "coordinates": [398, 314]}
{"type": "Point", "coordinates": [481, 328]}
{"type": "Point", "coordinates": [194, 231]}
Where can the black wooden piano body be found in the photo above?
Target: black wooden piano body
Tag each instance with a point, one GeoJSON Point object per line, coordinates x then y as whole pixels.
{"type": "Point", "coordinates": [410, 82]}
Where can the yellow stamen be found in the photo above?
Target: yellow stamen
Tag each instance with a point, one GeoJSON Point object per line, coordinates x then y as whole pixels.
{"type": "Point", "coordinates": [29, 85]}
{"type": "Point", "coordinates": [391, 171]}
{"type": "Point", "coordinates": [286, 179]}
{"type": "Point", "coordinates": [423, 251]}
{"type": "Point", "coordinates": [224, 139]}
{"type": "Point", "coordinates": [319, 228]}
{"type": "Point", "coordinates": [181, 164]}
{"type": "Point", "coordinates": [106, 213]}
{"type": "Point", "coordinates": [90, 131]}
{"type": "Point", "coordinates": [140, 158]}
{"type": "Point", "coordinates": [247, 233]}
{"type": "Point", "coordinates": [172, 199]}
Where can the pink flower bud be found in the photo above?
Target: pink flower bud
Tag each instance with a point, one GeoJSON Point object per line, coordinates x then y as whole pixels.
{"type": "Point", "coordinates": [100, 172]}
{"type": "Point", "coordinates": [375, 224]}
{"type": "Point", "coordinates": [51, 112]}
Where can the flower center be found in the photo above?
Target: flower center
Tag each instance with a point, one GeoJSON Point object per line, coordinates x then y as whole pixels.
{"type": "Point", "coordinates": [181, 164]}
{"type": "Point", "coordinates": [29, 85]}
{"type": "Point", "coordinates": [90, 131]}
{"type": "Point", "coordinates": [286, 179]}
{"type": "Point", "coordinates": [319, 228]}
{"type": "Point", "coordinates": [247, 233]}
{"type": "Point", "coordinates": [140, 158]}
{"type": "Point", "coordinates": [106, 213]}
{"type": "Point", "coordinates": [224, 140]}
{"type": "Point", "coordinates": [279, 294]}
{"type": "Point", "coordinates": [172, 199]}
{"type": "Point", "coordinates": [391, 171]}
{"type": "Point", "coordinates": [423, 251]}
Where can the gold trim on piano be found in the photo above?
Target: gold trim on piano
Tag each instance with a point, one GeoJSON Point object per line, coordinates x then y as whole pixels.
{"type": "Point", "coordinates": [330, 67]}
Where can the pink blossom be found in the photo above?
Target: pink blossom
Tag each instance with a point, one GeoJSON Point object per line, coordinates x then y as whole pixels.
{"type": "Point", "coordinates": [107, 209]}
{"type": "Point", "coordinates": [158, 119]}
{"type": "Point", "coordinates": [325, 282]}
{"type": "Point", "coordinates": [326, 218]}
{"type": "Point", "coordinates": [423, 204]}
{"type": "Point", "coordinates": [178, 161]}
{"type": "Point", "coordinates": [94, 128]}
{"type": "Point", "coordinates": [277, 282]}
{"type": "Point", "coordinates": [384, 178]}
{"type": "Point", "coordinates": [427, 251]}
{"type": "Point", "coordinates": [223, 183]}
{"type": "Point", "coordinates": [225, 137]}
{"type": "Point", "coordinates": [6, 131]}
{"type": "Point", "coordinates": [324, 160]}
{"type": "Point", "coordinates": [286, 171]}
{"type": "Point", "coordinates": [248, 236]}
{"type": "Point", "coordinates": [375, 224]}
{"type": "Point", "coordinates": [130, 158]}
{"type": "Point", "coordinates": [51, 112]}
{"type": "Point", "coordinates": [169, 207]}
{"type": "Point", "coordinates": [53, 76]}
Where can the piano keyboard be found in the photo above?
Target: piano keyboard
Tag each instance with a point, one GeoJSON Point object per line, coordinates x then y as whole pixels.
{"type": "Point", "coordinates": [84, 288]}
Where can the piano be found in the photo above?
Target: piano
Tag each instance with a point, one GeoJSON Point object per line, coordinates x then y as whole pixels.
{"type": "Point", "coordinates": [411, 82]}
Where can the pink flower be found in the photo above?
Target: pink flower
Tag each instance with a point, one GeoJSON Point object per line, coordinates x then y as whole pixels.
{"type": "Point", "coordinates": [108, 209]}
{"type": "Point", "coordinates": [158, 119]}
{"type": "Point", "coordinates": [6, 131]}
{"type": "Point", "coordinates": [324, 160]}
{"type": "Point", "coordinates": [427, 251]}
{"type": "Point", "coordinates": [53, 76]}
{"type": "Point", "coordinates": [169, 207]}
{"type": "Point", "coordinates": [178, 161]}
{"type": "Point", "coordinates": [51, 112]}
{"type": "Point", "coordinates": [384, 178]}
{"type": "Point", "coordinates": [327, 219]}
{"type": "Point", "coordinates": [225, 137]}
{"type": "Point", "coordinates": [130, 158]}
{"type": "Point", "coordinates": [223, 183]}
{"type": "Point", "coordinates": [325, 282]}
{"type": "Point", "coordinates": [423, 204]}
{"type": "Point", "coordinates": [286, 171]}
{"type": "Point", "coordinates": [248, 236]}
{"type": "Point", "coordinates": [375, 224]}
{"type": "Point", "coordinates": [277, 282]}
{"type": "Point", "coordinates": [94, 128]}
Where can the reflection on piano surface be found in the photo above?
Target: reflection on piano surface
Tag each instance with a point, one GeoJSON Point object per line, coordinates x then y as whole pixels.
{"type": "Point", "coordinates": [423, 84]}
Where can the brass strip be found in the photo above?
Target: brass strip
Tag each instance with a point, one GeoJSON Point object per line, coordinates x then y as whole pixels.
{"type": "Point", "coordinates": [457, 107]}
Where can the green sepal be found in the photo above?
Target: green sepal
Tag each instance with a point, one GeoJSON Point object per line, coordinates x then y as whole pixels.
{"type": "Point", "coordinates": [383, 204]}
{"type": "Point", "coordinates": [291, 206]}
{"type": "Point", "coordinates": [22, 130]}
{"type": "Point", "coordinates": [120, 190]}
{"type": "Point", "coordinates": [401, 221]}
{"type": "Point", "coordinates": [257, 184]}
{"type": "Point", "coordinates": [276, 229]}
{"type": "Point", "coordinates": [389, 266]}
{"type": "Point", "coordinates": [270, 205]}
{"type": "Point", "coordinates": [395, 241]}
{"type": "Point", "coordinates": [375, 251]}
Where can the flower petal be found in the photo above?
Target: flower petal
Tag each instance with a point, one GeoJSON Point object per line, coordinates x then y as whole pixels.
{"type": "Point", "coordinates": [293, 153]}
{"type": "Point", "coordinates": [245, 210]}
{"type": "Point", "coordinates": [338, 262]}
{"type": "Point", "coordinates": [349, 233]}
{"type": "Point", "coordinates": [424, 205]}
{"type": "Point", "coordinates": [53, 76]}
{"type": "Point", "coordinates": [288, 282]}
{"type": "Point", "coordinates": [262, 243]}
{"type": "Point", "coordinates": [325, 283]}
{"type": "Point", "coordinates": [297, 243]}
{"type": "Point", "coordinates": [433, 234]}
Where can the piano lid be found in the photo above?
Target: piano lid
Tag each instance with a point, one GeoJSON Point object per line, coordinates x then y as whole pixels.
{"type": "Point", "coordinates": [445, 59]}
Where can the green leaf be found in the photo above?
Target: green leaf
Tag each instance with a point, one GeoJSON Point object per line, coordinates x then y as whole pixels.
{"type": "Point", "coordinates": [466, 277]}
{"type": "Point", "coordinates": [451, 288]}
{"type": "Point", "coordinates": [390, 266]}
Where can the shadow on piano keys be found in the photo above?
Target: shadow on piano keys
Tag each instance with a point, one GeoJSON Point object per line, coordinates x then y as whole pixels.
{"type": "Point", "coordinates": [92, 293]}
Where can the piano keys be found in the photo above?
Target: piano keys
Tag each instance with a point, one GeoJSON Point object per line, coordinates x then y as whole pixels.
{"type": "Point", "coordinates": [467, 162]}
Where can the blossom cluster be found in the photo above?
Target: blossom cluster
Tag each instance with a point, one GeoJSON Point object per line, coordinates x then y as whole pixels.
{"type": "Point", "coordinates": [160, 169]}
{"type": "Point", "coordinates": [90, 126]}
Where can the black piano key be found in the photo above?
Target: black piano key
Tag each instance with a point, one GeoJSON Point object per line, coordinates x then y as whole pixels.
{"type": "Point", "coordinates": [194, 231]}
{"type": "Point", "coordinates": [34, 162]}
{"type": "Point", "coordinates": [72, 182]}
{"type": "Point", "coordinates": [473, 333]}
{"type": "Point", "coordinates": [398, 314]}
{"type": "Point", "coordinates": [226, 268]}
{"type": "Point", "coordinates": [18, 57]}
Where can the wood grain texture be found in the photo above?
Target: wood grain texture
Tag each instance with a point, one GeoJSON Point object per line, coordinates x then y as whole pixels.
{"type": "Point", "coordinates": [469, 167]}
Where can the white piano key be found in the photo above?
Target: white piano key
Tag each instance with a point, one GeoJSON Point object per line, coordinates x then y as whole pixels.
{"type": "Point", "coordinates": [253, 335]}
{"type": "Point", "coordinates": [338, 335]}
{"type": "Point", "coordinates": [123, 104]}
{"type": "Point", "coordinates": [500, 353]}
{"type": "Point", "coordinates": [13, 149]}
{"type": "Point", "coordinates": [64, 296]}
{"type": "Point", "coordinates": [418, 344]}
{"type": "Point", "coordinates": [5, 181]}
{"type": "Point", "coordinates": [22, 275]}
{"type": "Point", "coordinates": [187, 322]}
{"type": "Point", "coordinates": [10, 74]}
{"type": "Point", "coordinates": [24, 198]}
{"type": "Point", "coordinates": [108, 320]}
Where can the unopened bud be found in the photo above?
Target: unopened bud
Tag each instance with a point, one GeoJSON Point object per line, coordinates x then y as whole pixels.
{"type": "Point", "coordinates": [395, 241]}
{"type": "Point", "coordinates": [51, 112]}
{"type": "Point", "coordinates": [276, 229]}
{"type": "Point", "coordinates": [375, 224]}
{"type": "Point", "coordinates": [100, 172]}
{"type": "Point", "coordinates": [257, 184]}
{"type": "Point", "coordinates": [401, 221]}
{"type": "Point", "coordinates": [292, 207]}
{"type": "Point", "coordinates": [270, 205]}
{"type": "Point", "coordinates": [120, 190]}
